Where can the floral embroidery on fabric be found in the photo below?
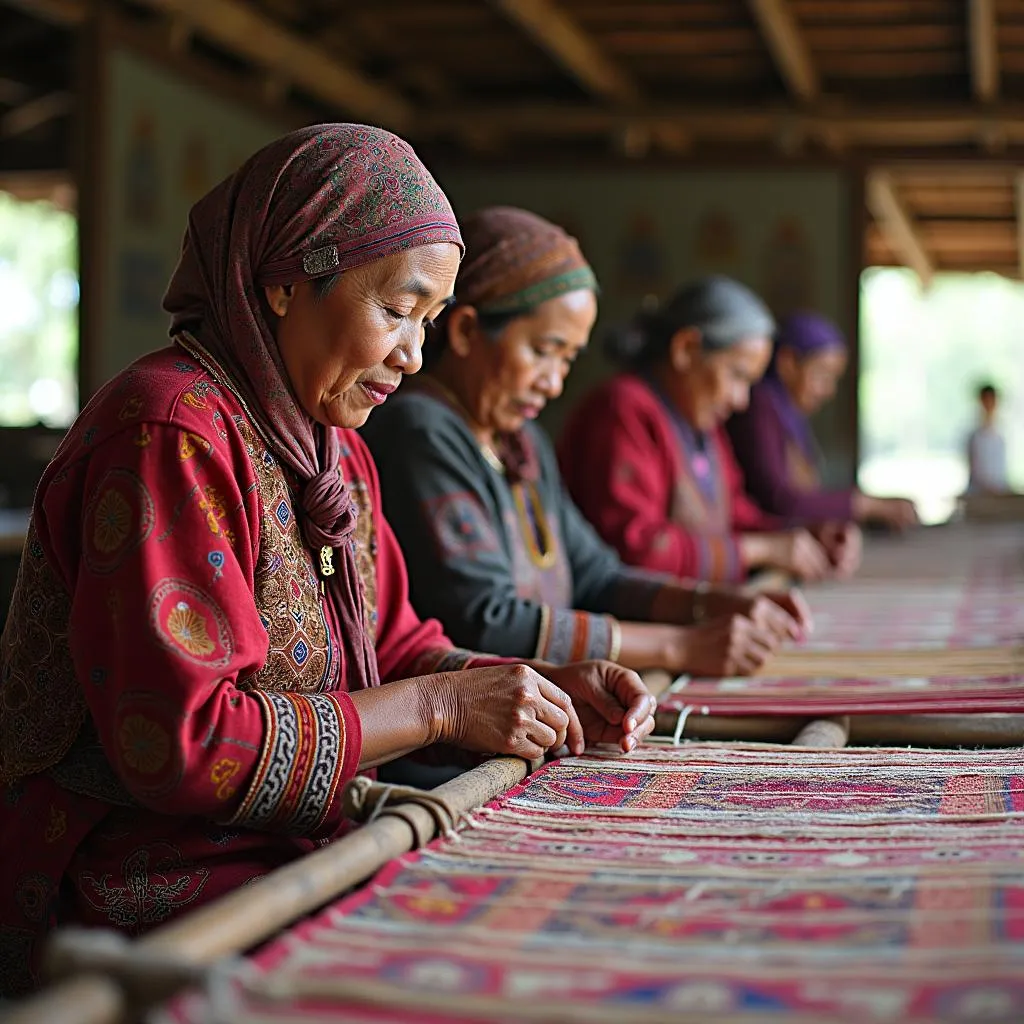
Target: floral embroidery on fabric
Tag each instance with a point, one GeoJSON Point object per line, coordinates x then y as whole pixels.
{"type": "Point", "coordinates": [33, 893]}
{"type": "Point", "coordinates": [287, 594]}
{"type": "Point", "coordinates": [189, 622]}
{"type": "Point", "coordinates": [131, 408]}
{"type": "Point", "coordinates": [189, 444]}
{"type": "Point", "coordinates": [150, 758]}
{"type": "Point", "coordinates": [155, 882]}
{"type": "Point", "coordinates": [212, 506]}
{"type": "Point", "coordinates": [57, 825]}
{"type": "Point", "coordinates": [216, 560]}
{"type": "Point", "coordinates": [143, 438]}
{"type": "Point", "coordinates": [365, 540]}
{"type": "Point", "coordinates": [461, 526]}
{"type": "Point", "coordinates": [145, 745]}
{"type": "Point", "coordinates": [118, 519]}
{"type": "Point", "coordinates": [43, 707]}
{"type": "Point", "coordinates": [221, 775]}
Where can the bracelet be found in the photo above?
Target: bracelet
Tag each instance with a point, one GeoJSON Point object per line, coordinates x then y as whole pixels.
{"type": "Point", "coordinates": [699, 604]}
{"type": "Point", "coordinates": [615, 646]}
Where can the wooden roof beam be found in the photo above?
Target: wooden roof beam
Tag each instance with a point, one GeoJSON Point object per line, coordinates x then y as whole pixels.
{"type": "Point", "coordinates": [788, 47]}
{"type": "Point", "coordinates": [571, 47]}
{"type": "Point", "coordinates": [34, 113]}
{"type": "Point", "coordinates": [981, 17]}
{"type": "Point", "coordinates": [897, 226]}
{"type": "Point", "coordinates": [67, 13]}
{"type": "Point", "coordinates": [243, 31]}
{"type": "Point", "coordinates": [1018, 186]}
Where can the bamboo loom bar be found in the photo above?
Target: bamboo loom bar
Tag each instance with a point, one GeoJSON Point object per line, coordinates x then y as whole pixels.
{"type": "Point", "coordinates": [925, 730]}
{"type": "Point", "coordinates": [821, 733]}
{"type": "Point", "coordinates": [246, 916]}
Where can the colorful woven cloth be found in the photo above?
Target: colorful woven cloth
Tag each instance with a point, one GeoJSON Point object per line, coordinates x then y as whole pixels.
{"type": "Point", "coordinates": [710, 883]}
{"type": "Point", "coordinates": [832, 696]}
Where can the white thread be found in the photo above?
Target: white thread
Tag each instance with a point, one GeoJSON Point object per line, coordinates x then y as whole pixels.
{"type": "Point", "coordinates": [684, 714]}
{"type": "Point", "coordinates": [679, 683]}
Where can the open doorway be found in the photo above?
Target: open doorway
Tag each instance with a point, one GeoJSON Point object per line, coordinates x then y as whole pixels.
{"type": "Point", "coordinates": [923, 355]}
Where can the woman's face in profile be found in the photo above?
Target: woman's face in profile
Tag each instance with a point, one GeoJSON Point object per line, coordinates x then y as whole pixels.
{"type": "Point", "coordinates": [346, 351]}
{"type": "Point", "coordinates": [717, 383]}
{"type": "Point", "coordinates": [522, 369]}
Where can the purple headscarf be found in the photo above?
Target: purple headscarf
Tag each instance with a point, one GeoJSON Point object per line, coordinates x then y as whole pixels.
{"type": "Point", "coordinates": [805, 334]}
{"type": "Point", "coordinates": [318, 201]}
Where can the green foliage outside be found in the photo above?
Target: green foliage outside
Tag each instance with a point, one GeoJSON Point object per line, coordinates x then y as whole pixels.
{"type": "Point", "coordinates": [38, 313]}
{"type": "Point", "coordinates": [923, 355]}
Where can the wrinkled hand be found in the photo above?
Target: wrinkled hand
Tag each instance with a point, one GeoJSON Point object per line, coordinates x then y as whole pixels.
{"type": "Point", "coordinates": [899, 513]}
{"type": "Point", "coordinates": [733, 646]}
{"type": "Point", "coordinates": [507, 709]}
{"type": "Point", "coordinates": [612, 702]}
{"type": "Point", "coordinates": [844, 544]}
{"type": "Point", "coordinates": [783, 613]}
{"type": "Point", "coordinates": [803, 556]}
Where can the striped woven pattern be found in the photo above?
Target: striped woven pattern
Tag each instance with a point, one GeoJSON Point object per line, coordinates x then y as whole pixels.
{"type": "Point", "coordinates": [708, 883]}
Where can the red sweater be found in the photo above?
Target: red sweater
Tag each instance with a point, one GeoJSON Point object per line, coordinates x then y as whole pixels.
{"type": "Point", "coordinates": [625, 463]}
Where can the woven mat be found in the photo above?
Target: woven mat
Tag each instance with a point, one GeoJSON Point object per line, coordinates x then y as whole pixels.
{"type": "Point", "coordinates": [717, 884]}
{"type": "Point", "coordinates": [849, 695]}
{"type": "Point", "coordinates": [898, 664]}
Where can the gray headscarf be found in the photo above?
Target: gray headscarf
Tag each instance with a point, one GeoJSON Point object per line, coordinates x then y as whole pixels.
{"type": "Point", "coordinates": [723, 310]}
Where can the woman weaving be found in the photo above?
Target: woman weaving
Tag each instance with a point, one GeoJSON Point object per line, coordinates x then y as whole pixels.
{"type": "Point", "coordinates": [210, 599]}
{"type": "Point", "coordinates": [496, 549]}
{"type": "Point", "coordinates": [773, 442]}
{"type": "Point", "coordinates": [647, 461]}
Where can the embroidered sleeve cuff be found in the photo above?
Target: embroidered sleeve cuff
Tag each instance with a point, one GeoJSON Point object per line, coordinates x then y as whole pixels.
{"type": "Point", "coordinates": [311, 745]}
{"type": "Point", "coordinates": [718, 559]}
{"type": "Point", "coordinates": [567, 636]}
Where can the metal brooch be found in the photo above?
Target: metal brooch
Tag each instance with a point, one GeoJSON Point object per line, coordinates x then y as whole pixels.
{"type": "Point", "coordinates": [321, 261]}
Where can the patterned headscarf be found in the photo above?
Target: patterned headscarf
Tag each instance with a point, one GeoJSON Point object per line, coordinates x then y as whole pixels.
{"type": "Point", "coordinates": [318, 201]}
{"type": "Point", "coordinates": [517, 260]}
{"type": "Point", "coordinates": [806, 334]}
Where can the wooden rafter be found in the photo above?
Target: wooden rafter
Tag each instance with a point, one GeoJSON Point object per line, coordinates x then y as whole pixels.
{"type": "Point", "coordinates": [568, 44]}
{"type": "Point", "coordinates": [239, 28]}
{"type": "Point", "coordinates": [788, 47]}
{"type": "Point", "coordinates": [984, 50]}
{"type": "Point", "coordinates": [897, 225]}
{"type": "Point", "coordinates": [33, 113]}
{"type": "Point", "coordinates": [904, 127]}
{"type": "Point", "coordinates": [57, 12]}
{"type": "Point", "coordinates": [1018, 185]}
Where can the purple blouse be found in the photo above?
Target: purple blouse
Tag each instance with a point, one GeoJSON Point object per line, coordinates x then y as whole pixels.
{"type": "Point", "coordinates": [780, 474]}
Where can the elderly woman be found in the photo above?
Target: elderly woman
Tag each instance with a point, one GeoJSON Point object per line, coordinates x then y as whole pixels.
{"type": "Point", "coordinates": [210, 598]}
{"type": "Point", "coordinates": [647, 460]}
{"type": "Point", "coordinates": [496, 550]}
{"type": "Point", "coordinates": [773, 441]}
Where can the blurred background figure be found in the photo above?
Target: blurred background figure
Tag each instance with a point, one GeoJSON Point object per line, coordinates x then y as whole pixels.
{"type": "Point", "coordinates": [775, 446]}
{"type": "Point", "coordinates": [986, 448]}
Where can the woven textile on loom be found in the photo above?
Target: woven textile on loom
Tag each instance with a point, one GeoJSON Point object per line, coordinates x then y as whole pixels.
{"type": "Point", "coordinates": [708, 883]}
{"type": "Point", "coordinates": [832, 696]}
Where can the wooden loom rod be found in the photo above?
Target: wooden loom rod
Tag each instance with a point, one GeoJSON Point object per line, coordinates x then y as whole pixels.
{"type": "Point", "coordinates": [255, 912]}
{"type": "Point", "coordinates": [833, 733]}
{"type": "Point", "coordinates": [250, 914]}
{"type": "Point", "coordinates": [935, 730]}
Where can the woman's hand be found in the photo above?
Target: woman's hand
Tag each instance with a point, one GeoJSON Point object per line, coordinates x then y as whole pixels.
{"type": "Point", "coordinates": [844, 545]}
{"type": "Point", "coordinates": [509, 709]}
{"type": "Point", "coordinates": [782, 613]}
{"type": "Point", "coordinates": [797, 552]}
{"type": "Point", "coordinates": [612, 702]}
{"type": "Point", "coordinates": [897, 513]}
{"type": "Point", "coordinates": [733, 646]}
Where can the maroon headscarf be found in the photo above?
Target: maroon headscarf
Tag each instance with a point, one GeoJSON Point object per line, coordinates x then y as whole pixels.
{"type": "Point", "coordinates": [517, 260]}
{"type": "Point", "coordinates": [319, 201]}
